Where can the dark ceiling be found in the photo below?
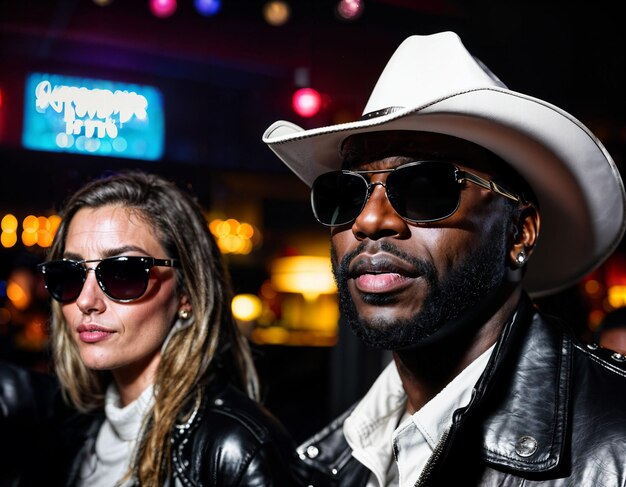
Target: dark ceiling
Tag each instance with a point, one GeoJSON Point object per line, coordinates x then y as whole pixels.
{"type": "Point", "coordinates": [227, 77]}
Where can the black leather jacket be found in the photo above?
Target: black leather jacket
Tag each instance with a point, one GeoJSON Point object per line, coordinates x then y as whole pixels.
{"type": "Point", "coordinates": [29, 408]}
{"type": "Point", "coordinates": [547, 411]}
{"type": "Point", "coordinates": [228, 440]}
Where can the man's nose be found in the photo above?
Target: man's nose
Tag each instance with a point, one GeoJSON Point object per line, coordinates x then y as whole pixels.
{"type": "Point", "coordinates": [378, 218]}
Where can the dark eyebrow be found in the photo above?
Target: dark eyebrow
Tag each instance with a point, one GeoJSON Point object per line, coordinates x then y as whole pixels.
{"type": "Point", "coordinates": [109, 252]}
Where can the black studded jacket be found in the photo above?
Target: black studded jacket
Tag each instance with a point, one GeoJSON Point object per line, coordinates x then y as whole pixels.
{"type": "Point", "coordinates": [547, 411]}
{"type": "Point", "coordinates": [226, 440]}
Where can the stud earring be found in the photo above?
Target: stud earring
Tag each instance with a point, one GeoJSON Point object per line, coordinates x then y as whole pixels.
{"type": "Point", "coordinates": [520, 259]}
{"type": "Point", "coordinates": [184, 313]}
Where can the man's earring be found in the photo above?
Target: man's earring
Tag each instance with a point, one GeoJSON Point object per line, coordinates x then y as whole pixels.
{"type": "Point", "coordinates": [520, 259]}
{"type": "Point", "coordinates": [184, 313]}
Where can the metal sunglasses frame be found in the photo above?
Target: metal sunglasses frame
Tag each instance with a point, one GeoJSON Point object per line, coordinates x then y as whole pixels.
{"type": "Point", "coordinates": [460, 176]}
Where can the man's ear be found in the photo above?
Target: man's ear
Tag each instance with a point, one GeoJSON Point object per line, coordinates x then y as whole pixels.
{"type": "Point", "coordinates": [526, 235]}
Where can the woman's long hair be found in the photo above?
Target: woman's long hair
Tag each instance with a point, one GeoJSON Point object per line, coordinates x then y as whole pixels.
{"type": "Point", "coordinates": [182, 230]}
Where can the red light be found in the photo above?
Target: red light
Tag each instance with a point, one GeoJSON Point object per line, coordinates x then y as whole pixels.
{"type": "Point", "coordinates": [306, 102]}
{"type": "Point", "coordinates": [163, 8]}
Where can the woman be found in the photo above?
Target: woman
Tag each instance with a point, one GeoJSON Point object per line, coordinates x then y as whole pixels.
{"type": "Point", "coordinates": [144, 342]}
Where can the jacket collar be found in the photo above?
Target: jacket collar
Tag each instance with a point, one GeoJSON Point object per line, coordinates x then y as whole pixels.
{"type": "Point", "coordinates": [520, 406]}
{"type": "Point", "coordinates": [523, 394]}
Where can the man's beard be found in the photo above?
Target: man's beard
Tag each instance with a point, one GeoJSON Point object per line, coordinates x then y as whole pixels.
{"type": "Point", "coordinates": [460, 293]}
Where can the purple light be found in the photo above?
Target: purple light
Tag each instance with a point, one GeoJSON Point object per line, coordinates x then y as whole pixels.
{"type": "Point", "coordinates": [163, 8]}
{"type": "Point", "coordinates": [208, 7]}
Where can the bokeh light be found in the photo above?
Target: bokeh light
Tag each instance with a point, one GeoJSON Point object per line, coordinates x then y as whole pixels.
{"type": "Point", "coordinates": [246, 307]}
{"type": "Point", "coordinates": [208, 7]}
{"type": "Point", "coordinates": [18, 294]}
{"type": "Point", "coordinates": [306, 102]}
{"type": "Point", "coordinates": [350, 9]}
{"type": "Point", "coordinates": [234, 237]}
{"type": "Point", "coordinates": [36, 230]}
{"type": "Point", "coordinates": [163, 8]}
{"type": "Point", "coordinates": [9, 223]}
{"type": "Point", "coordinates": [276, 12]}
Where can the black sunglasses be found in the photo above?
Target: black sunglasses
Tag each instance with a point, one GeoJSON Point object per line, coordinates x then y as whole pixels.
{"type": "Point", "coordinates": [420, 192]}
{"type": "Point", "coordinates": [122, 279]}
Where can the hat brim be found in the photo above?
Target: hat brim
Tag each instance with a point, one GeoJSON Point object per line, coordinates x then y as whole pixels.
{"type": "Point", "coordinates": [579, 189]}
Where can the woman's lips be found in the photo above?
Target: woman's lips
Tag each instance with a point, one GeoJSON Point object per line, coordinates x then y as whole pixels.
{"type": "Point", "coordinates": [93, 333]}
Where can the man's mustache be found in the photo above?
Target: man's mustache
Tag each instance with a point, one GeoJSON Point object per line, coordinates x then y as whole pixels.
{"type": "Point", "coordinates": [416, 265]}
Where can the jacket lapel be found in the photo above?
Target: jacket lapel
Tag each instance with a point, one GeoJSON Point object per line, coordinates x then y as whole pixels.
{"type": "Point", "coordinates": [526, 411]}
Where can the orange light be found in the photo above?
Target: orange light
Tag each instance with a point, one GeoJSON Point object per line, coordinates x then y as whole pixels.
{"type": "Point", "coordinates": [276, 12]}
{"type": "Point", "coordinates": [30, 224]}
{"type": "Point", "coordinates": [308, 275]}
{"type": "Point", "coordinates": [592, 287]}
{"type": "Point", "coordinates": [29, 238]}
{"type": "Point", "coordinates": [8, 223]}
{"type": "Point", "coordinates": [54, 221]}
{"type": "Point", "coordinates": [8, 239]}
{"type": "Point", "coordinates": [17, 295]}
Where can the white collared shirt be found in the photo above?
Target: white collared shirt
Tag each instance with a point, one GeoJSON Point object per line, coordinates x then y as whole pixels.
{"type": "Point", "coordinates": [378, 426]}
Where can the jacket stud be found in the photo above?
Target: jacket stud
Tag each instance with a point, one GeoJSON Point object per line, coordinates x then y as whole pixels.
{"type": "Point", "coordinates": [526, 446]}
{"type": "Point", "coordinates": [312, 451]}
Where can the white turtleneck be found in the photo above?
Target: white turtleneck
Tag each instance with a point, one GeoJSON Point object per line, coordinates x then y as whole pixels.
{"type": "Point", "coordinates": [116, 440]}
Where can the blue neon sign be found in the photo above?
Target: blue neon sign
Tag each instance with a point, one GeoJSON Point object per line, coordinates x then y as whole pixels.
{"type": "Point", "coordinates": [89, 116]}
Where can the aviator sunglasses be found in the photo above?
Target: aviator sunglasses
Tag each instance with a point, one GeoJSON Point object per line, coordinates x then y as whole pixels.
{"type": "Point", "coordinates": [123, 278]}
{"type": "Point", "coordinates": [420, 192]}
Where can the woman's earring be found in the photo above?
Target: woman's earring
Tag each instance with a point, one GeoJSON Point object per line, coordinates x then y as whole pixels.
{"type": "Point", "coordinates": [184, 313]}
{"type": "Point", "coordinates": [520, 259]}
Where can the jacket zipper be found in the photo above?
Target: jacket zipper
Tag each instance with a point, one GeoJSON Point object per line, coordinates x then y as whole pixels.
{"type": "Point", "coordinates": [432, 461]}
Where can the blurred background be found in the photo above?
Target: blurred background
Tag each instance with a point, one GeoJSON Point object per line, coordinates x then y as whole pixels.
{"type": "Point", "coordinates": [195, 83]}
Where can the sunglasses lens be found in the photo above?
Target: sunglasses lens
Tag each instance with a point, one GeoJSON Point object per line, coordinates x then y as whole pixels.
{"type": "Point", "coordinates": [123, 278]}
{"type": "Point", "coordinates": [424, 192]}
{"type": "Point", "coordinates": [64, 280]}
{"type": "Point", "coordinates": [338, 198]}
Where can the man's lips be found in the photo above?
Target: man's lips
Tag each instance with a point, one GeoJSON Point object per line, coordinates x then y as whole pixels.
{"type": "Point", "coordinates": [91, 333]}
{"type": "Point", "coordinates": [380, 283]}
{"type": "Point", "coordinates": [381, 273]}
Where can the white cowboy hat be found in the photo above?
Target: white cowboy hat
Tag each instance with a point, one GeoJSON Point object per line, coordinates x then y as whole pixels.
{"type": "Point", "coordinates": [433, 84]}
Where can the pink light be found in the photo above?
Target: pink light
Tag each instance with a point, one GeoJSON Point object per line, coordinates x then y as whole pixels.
{"type": "Point", "coordinates": [306, 102]}
{"type": "Point", "coordinates": [350, 9]}
{"type": "Point", "coordinates": [163, 8]}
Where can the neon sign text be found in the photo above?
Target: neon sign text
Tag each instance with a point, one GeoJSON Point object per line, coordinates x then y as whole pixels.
{"type": "Point", "coordinates": [93, 116]}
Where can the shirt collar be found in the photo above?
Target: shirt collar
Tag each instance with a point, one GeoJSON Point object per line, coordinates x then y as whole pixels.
{"type": "Point", "coordinates": [372, 426]}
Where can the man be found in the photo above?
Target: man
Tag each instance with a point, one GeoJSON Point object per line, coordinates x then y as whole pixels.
{"type": "Point", "coordinates": [450, 200]}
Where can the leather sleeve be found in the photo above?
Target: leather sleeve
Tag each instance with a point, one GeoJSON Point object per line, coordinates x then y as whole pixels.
{"type": "Point", "coordinates": [235, 442]}
{"type": "Point", "coordinates": [28, 428]}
